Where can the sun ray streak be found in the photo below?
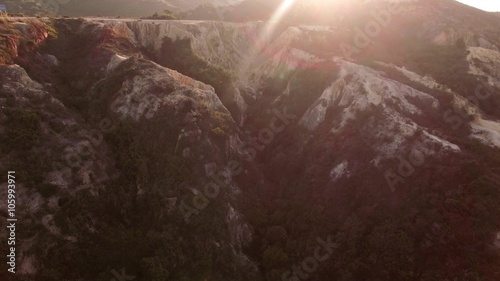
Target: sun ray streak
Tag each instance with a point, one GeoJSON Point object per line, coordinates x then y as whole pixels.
{"type": "Point", "coordinates": [263, 39]}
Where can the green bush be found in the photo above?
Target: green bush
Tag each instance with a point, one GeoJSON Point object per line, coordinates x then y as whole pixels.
{"type": "Point", "coordinates": [153, 269]}
{"type": "Point", "coordinates": [274, 257]}
{"type": "Point", "coordinates": [166, 15]}
{"type": "Point", "coordinates": [307, 85]}
{"type": "Point", "coordinates": [218, 132]}
{"type": "Point", "coordinates": [47, 190]}
{"type": "Point", "coordinates": [178, 55]}
{"type": "Point", "coordinates": [51, 31]}
{"type": "Point", "coordinates": [276, 234]}
{"type": "Point", "coordinates": [22, 130]}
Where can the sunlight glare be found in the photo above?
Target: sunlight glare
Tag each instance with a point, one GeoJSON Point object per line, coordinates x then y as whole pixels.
{"type": "Point", "coordinates": [276, 17]}
{"type": "Point", "coordinates": [262, 40]}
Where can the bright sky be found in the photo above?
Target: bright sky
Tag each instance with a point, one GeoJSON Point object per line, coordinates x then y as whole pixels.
{"type": "Point", "coordinates": [487, 5]}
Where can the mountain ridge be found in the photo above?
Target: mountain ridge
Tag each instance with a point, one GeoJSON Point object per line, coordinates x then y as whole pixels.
{"type": "Point", "coordinates": [199, 150]}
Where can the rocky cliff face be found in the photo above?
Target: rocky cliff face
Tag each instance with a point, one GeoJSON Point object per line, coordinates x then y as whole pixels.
{"type": "Point", "coordinates": [126, 126]}
{"type": "Point", "coordinates": [201, 150]}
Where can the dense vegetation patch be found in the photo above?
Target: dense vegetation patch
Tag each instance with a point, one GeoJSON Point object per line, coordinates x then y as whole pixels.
{"type": "Point", "coordinates": [179, 55]}
{"type": "Point", "coordinates": [448, 65]}
{"type": "Point", "coordinates": [166, 15]}
{"type": "Point", "coordinates": [22, 131]}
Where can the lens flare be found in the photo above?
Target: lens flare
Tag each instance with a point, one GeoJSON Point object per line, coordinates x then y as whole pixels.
{"type": "Point", "coordinates": [262, 39]}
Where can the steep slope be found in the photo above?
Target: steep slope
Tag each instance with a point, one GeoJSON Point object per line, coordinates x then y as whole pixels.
{"type": "Point", "coordinates": [101, 145]}
{"type": "Point", "coordinates": [364, 133]}
{"type": "Point", "coordinates": [233, 154]}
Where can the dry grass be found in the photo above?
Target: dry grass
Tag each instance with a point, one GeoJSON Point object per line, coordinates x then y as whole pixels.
{"type": "Point", "coordinates": [8, 36]}
{"type": "Point", "coordinates": [5, 35]}
{"type": "Point", "coordinates": [13, 40]}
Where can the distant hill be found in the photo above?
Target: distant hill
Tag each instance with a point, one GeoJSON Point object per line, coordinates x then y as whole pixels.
{"type": "Point", "coordinates": [127, 8]}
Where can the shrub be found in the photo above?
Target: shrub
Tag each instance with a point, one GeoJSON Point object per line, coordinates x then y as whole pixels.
{"type": "Point", "coordinates": [307, 85]}
{"type": "Point", "coordinates": [153, 269]}
{"type": "Point", "coordinates": [51, 31]}
{"type": "Point", "coordinates": [22, 129]}
{"type": "Point", "coordinates": [276, 234]}
{"type": "Point", "coordinates": [167, 15]}
{"type": "Point", "coordinates": [178, 55]}
{"type": "Point", "coordinates": [218, 132]}
{"type": "Point", "coordinates": [47, 190]}
{"type": "Point", "coordinates": [274, 257]}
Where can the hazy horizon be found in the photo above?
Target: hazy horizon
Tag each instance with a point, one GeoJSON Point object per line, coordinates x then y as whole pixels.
{"type": "Point", "coordinates": [485, 5]}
